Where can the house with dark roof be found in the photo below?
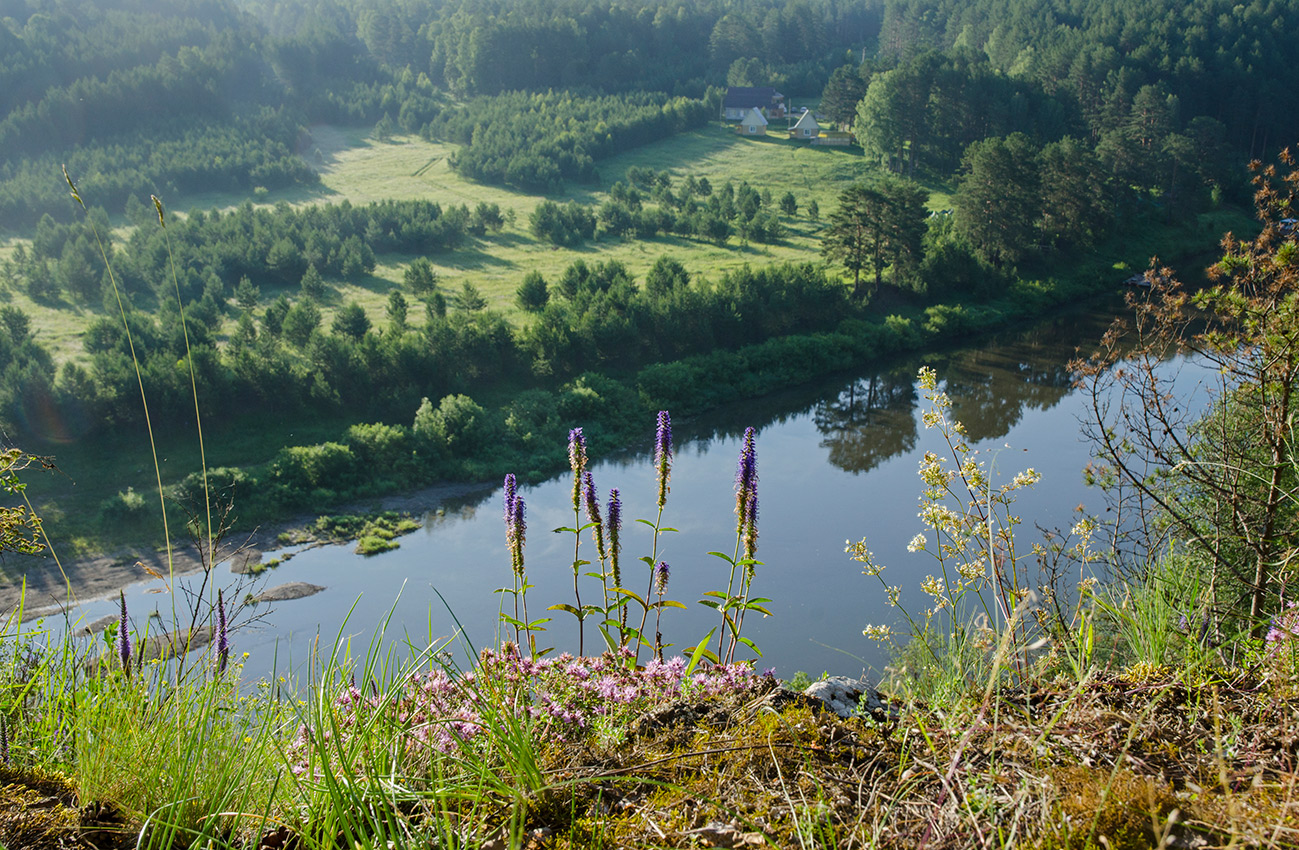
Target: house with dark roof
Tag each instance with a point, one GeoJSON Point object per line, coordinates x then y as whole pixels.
{"type": "Point", "coordinates": [740, 99]}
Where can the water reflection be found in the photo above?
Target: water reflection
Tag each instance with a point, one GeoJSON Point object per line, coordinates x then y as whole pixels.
{"type": "Point", "coordinates": [868, 421]}
{"type": "Point", "coordinates": [837, 460]}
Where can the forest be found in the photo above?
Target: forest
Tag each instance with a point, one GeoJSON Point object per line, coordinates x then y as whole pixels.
{"type": "Point", "coordinates": [142, 99]}
{"type": "Point", "coordinates": [1049, 128]}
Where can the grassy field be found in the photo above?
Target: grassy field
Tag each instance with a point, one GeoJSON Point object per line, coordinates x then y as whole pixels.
{"type": "Point", "coordinates": [363, 170]}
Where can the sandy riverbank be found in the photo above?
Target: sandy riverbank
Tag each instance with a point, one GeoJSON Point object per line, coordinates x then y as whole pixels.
{"type": "Point", "coordinates": [50, 585]}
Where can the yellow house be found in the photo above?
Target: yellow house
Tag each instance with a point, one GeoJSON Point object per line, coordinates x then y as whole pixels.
{"type": "Point", "coordinates": [752, 124]}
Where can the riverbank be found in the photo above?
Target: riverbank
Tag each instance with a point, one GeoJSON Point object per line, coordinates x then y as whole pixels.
{"type": "Point", "coordinates": [48, 586]}
{"type": "Point", "coordinates": [609, 411]}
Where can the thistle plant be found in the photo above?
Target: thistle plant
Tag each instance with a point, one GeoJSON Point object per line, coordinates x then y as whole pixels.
{"type": "Point", "coordinates": [970, 535]}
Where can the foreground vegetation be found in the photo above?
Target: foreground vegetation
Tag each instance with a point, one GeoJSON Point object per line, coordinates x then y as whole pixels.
{"type": "Point", "coordinates": [1154, 709]}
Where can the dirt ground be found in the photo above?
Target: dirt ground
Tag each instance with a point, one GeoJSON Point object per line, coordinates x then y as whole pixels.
{"type": "Point", "coordinates": [44, 585]}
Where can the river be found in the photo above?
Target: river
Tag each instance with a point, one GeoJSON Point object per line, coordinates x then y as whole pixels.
{"type": "Point", "coordinates": [837, 461]}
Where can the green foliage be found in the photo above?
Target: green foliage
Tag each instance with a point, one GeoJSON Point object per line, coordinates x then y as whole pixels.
{"type": "Point", "coordinates": [533, 293]}
{"type": "Point", "coordinates": [999, 200]}
{"type": "Point", "coordinates": [569, 224]}
{"type": "Point", "coordinates": [313, 285]}
{"type": "Point", "coordinates": [878, 225]}
{"type": "Point", "coordinates": [536, 141]}
{"type": "Point", "coordinates": [457, 426]}
{"type": "Point", "coordinates": [420, 277]}
{"type": "Point", "coordinates": [351, 321]}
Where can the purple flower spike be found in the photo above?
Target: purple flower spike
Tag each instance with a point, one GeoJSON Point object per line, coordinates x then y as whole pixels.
{"type": "Point", "coordinates": [124, 638]}
{"type": "Point", "coordinates": [663, 454]}
{"type": "Point", "coordinates": [516, 526]}
{"type": "Point", "coordinates": [577, 462]}
{"type": "Point", "coordinates": [510, 492]}
{"type": "Point", "coordinates": [661, 575]}
{"type": "Point", "coordinates": [746, 483]}
{"type": "Point", "coordinates": [223, 636]}
{"type": "Point", "coordinates": [615, 526]}
{"type": "Point", "coordinates": [592, 503]}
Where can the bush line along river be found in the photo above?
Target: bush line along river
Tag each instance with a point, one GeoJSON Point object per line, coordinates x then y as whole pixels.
{"type": "Point", "coordinates": [837, 461]}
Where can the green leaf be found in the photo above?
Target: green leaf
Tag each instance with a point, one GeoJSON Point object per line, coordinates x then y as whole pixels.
{"type": "Point", "coordinates": [716, 593]}
{"type": "Point", "coordinates": [629, 593]}
{"type": "Point", "coordinates": [564, 606]}
{"type": "Point", "coordinates": [727, 558]}
{"type": "Point", "coordinates": [668, 603]}
{"type": "Point", "coordinates": [701, 651]}
{"type": "Point", "coordinates": [508, 620]}
{"type": "Point", "coordinates": [750, 644]}
{"type": "Point", "coordinates": [753, 607]}
{"type": "Point", "coordinates": [647, 522]}
{"type": "Point", "coordinates": [537, 624]}
{"type": "Point", "coordinates": [709, 603]}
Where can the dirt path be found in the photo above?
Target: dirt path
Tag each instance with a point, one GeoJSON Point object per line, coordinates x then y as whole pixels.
{"type": "Point", "coordinates": [49, 587]}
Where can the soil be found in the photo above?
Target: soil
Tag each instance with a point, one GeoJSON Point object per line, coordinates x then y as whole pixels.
{"type": "Point", "coordinates": [43, 586]}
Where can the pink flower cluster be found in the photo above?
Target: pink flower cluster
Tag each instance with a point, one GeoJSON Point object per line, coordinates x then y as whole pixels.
{"type": "Point", "coordinates": [562, 699]}
{"type": "Point", "coordinates": [1285, 627]}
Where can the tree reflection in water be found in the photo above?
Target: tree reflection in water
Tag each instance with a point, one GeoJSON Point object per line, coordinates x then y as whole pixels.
{"type": "Point", "coordinates": [872, 418]}
{"type": "Point", "coordinates": [869, 421]}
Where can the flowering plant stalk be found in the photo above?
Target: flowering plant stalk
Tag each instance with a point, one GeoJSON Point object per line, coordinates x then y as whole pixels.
{"type": "Point", "coordinates": [973, 542]}
{"type": "Point", "coordinates": [516, 528]}
{"type": "Point", "coordinates": [736, 601]}
{"type": "Point", "coordinates": [663, 477]}
{"type": "Point", "coordinates": [583, 497]}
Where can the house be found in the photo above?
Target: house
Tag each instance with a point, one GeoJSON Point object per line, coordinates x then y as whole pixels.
{"type": "Point", "coordinates": [806, 129]}
{"type": "Point", "coordinates": [752, 124]}
{"type": "Point", "coordinates": [740, 99]}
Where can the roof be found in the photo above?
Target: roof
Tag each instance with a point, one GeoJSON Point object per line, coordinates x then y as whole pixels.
{"type": "Point", "coordinates": [753, 116]}
{"type": "Point", "coordinates": [807, 121]}
{"type": "Point", "coordinates": [743, 97]}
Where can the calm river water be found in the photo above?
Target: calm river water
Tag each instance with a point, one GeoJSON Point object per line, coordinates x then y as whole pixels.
{"type": "Point", "coordinates": [837, 461]}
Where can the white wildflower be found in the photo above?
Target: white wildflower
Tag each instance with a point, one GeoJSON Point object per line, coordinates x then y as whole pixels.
{"type": "Point", "coordinates": [877, 632]}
